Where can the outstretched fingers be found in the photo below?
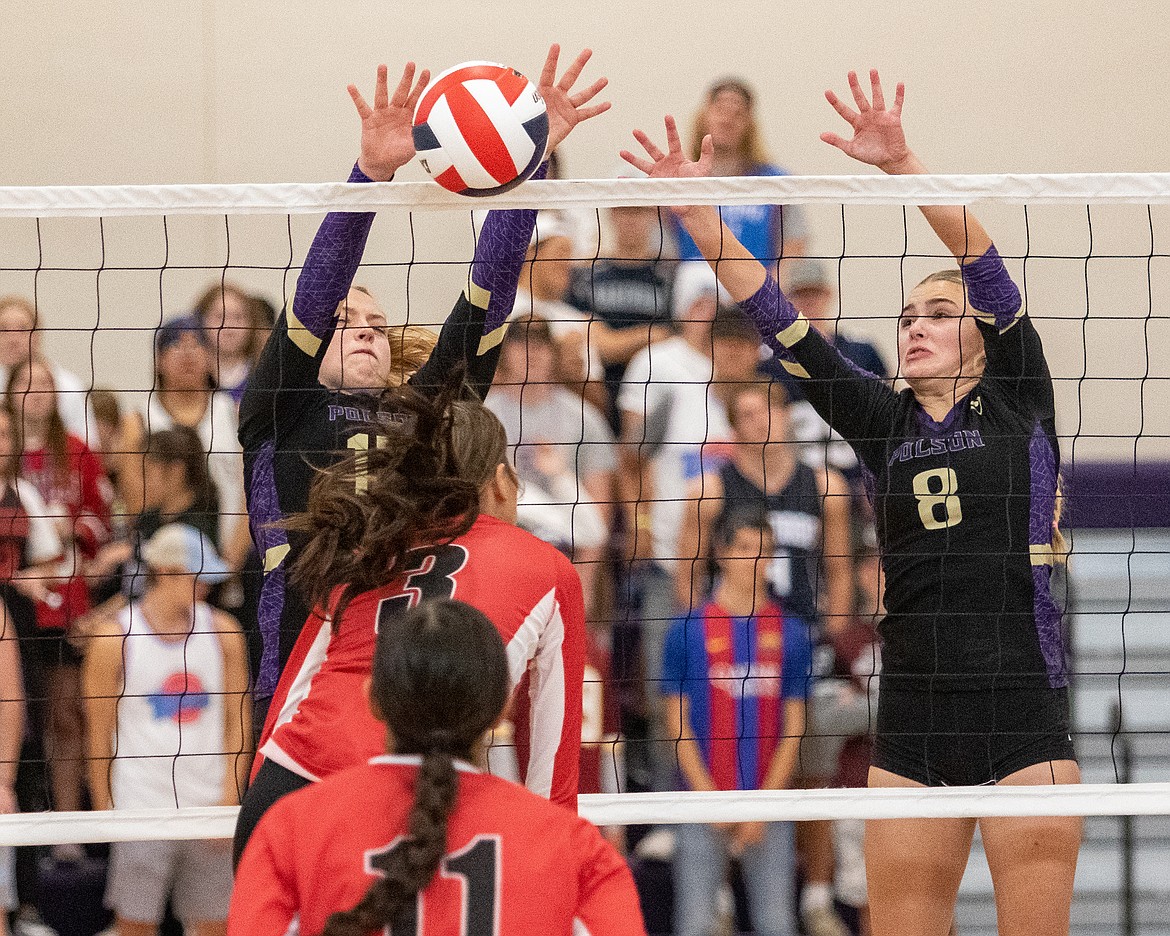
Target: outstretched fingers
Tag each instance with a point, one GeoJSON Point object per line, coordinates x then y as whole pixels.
{"type": "Point", "coordinates": [833, 140]}
{"type": "Point", "coordinates": [573, 72]}
{"type": "Point", "coordinates": [847, 112]}
{"type": "Point", "coordinates": [858, 94]}
{"type": "Point", "coordinates": [424, 79]}
{"type": "Point", "coordinates": [649, 146]}
{"type": "Point", "coordinates": [548, 74]}
{"type": "Point", "coordinates": [673, 141]}
{"type": "Point", "coordinates": [381, 94]}
{"type": "Point", "coordinates": [638, 162]}
{"type": "Point", "coordinates": [899, 97]}
{"type": "Point", "coordinates": [587, 95]}
{"type": "Point", "coordinates": [875, 87]}
{"type": "Point", "coordinates": [364, 110]}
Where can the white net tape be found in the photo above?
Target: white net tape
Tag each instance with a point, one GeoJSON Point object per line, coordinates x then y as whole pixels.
{"type": "Point", "coordinates": [1097, 799]}
{"type": "Point", "coordinates": [293, 198]}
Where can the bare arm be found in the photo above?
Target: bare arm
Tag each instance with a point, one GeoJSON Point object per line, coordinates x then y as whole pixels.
{"type": "Point", "coordinates": [101, 687]}
{"type": "Point", "coordinates": [836, 550]}
{"type": "Point", "coordinates": [11, 711]}
{"type": "Point", "coordinates": [783, 766]}
{"type": "Point", "coordinates": [690, 757]}
{"type": "Point", "coordinates": [703, 503]}
{"type": "Point", "coordinates": [636, 486]}
{"type": "Point", "coordinates": [878, 140]}
{"type": "Point", "coordinates": [237, 712]}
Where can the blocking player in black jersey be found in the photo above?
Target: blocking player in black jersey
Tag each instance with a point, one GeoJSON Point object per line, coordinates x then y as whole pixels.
{"type": "Point", "coordinates": [313, 396]}
{"type": "Point", "coordinates": [963, 471]}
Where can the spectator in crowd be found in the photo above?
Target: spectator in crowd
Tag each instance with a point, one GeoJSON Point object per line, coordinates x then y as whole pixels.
{"type": "Point", "coordinates": [69, 478]}
{"type": "Point", "coordinates": [561, 446]}
{"type": "Point", "coordinates": [237, 325]}
{"type": "Point", "coordinates": [672, 418]}
{"type": "Point", "coordinates": [544, 284]}
{"type": "Point", "coordinates": [20, 339]}
{"type": "Point", "coordinates": [627, 289]}
{"type": "Point", "coordinates": [184, 396]}
{"type": "Point", "coordinates": [770, 232]}
{"type": "Point", "coordinates": [166, 684]}
{"type": "Point", "coordinates": [175, 488]}
{"type": "Point", "coordinates": [735, 680]}
{"type": "Point", "coordinates": [812, 293]}
{"type": "Point", "coordinates": [810, 577]}
{"type": "Point", "coordinates": [11, 740]}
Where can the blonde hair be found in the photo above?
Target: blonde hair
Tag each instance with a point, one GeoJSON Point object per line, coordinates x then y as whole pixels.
{"type": "Point", "coordinates": [751, 148]}
{"type": "Point", "coordinates": [20, 302]}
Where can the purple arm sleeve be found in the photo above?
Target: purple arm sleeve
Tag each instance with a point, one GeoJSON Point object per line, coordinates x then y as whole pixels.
{"type": "Point", "coordinates": [771, 312]}
{"type": "Point", "coordinates": [990, 289]}
{"type": "Point", "coordinates": [499, 257]}
{"type": "Point", "coordinates": [331, 265]}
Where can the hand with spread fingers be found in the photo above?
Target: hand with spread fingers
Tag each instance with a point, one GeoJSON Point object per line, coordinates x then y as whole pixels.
{"type": "Point", "coordinates": [565, 107]}
{"type": "Point", "coordinates": [674, 163]}
{"type": "Point", "coordinates": [878, 138]}
{"type": "Point", "coordinates": [387, 138]}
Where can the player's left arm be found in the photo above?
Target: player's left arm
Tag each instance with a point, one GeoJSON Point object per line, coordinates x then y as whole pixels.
{"type": "Point", "coordinates": [472, 334]}
{"type": "Point", "coordinates": [836, 550]}
{"type": "Point", "coordinates": [607, 902]}
{"type": "Point", "coordinates": [237, 712]}
{"type": "Point", "coordinates": [557, 676]}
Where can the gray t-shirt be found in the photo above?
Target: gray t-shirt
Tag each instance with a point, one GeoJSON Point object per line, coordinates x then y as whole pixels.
{"type": "Point", "coordinates": [574, 428]}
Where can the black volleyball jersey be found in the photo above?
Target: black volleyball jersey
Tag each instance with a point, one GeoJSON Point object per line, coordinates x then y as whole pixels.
{"type": "Point", "coordinates": [291, 425]}
{"type": "Point", "coordinates": [794, 514]}
{"type": "Point", "coordinates": [964, 508]}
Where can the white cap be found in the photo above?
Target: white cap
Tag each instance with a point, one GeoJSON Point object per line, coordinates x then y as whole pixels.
{"type": "Point", "coordinates": [179, 546]}
{"type": "Point", "coordinates": [695, 280]}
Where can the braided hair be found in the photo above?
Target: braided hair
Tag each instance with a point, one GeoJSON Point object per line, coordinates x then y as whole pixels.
{"type": "Point", "coordinates": [440, 681]}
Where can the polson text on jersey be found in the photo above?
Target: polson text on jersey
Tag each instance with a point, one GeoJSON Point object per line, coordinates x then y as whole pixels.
{"type": "Point", "coordinates": [921, 448]}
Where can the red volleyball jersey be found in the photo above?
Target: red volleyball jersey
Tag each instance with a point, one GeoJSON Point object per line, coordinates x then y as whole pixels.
{"type": "Point", "coordinates": [514, 864]}
{"type": "Point", "coordinates": [320, 723]}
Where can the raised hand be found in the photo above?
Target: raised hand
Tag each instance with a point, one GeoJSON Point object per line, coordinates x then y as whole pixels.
{"type": "Point", "coordinates": [878, 138]}
{"type": "Point", "coordinates": [674, 163]}
{"type": "Point", "coordinates": [565, 108]}
{"type": "Point", "coordinates": [387, 141]}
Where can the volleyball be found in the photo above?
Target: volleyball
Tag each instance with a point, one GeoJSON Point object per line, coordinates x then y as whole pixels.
{"type": "Point", "coordinates": [480, 128]}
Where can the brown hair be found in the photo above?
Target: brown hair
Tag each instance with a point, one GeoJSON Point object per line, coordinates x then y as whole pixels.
{"type": "Point", "coordinates": [751, 150]}
{"type": "Point", "coordinates": [10, 468]}
{"type": "Point", "coordinates": [420, 480]}
{"type": "Point", "coordinates": [439, 681]}
{"type": "Point", "coordinates": [182, 445]}
{"type": "Point", "coordinates": [772, 391]}
{"type": "Point", "coordinates": [259, 313]}
{"type": "Point", "coordinates": [56, 437]}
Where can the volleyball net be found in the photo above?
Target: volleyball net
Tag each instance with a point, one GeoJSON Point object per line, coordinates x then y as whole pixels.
{"type": "Point", "coordinates": [105, 267]}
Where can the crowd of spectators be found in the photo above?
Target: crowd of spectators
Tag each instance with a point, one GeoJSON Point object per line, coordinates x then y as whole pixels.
{"type": "Point", "coordinates": [676, 465]}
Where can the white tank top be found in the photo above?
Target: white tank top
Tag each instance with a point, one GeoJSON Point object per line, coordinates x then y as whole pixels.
{"type": "Point", "coordinates": [169, 737]}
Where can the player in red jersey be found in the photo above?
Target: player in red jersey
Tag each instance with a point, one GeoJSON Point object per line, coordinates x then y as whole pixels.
{"type": "Point", "coordinates": [428, 513]}
{"type": "Point", "coordinates": [419, 841]}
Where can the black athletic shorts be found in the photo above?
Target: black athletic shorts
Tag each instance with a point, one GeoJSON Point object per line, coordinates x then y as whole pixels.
{"type": "Point", "coordinates": [272, 782]}
{"type": "Point", "coordinates": [970, 738]}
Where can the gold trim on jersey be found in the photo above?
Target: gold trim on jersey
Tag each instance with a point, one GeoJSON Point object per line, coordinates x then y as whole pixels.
{"type": "Point", "coordinates": [477, 295]}
{"type": "Point", "coordinates": [487, 342]}
{"type": "Point", "coordinates": [794, 332]}
{"type": "Point", "coordinates": [794, 369]}
{"type": "Point", "coordinates": [274, 556]}
{"type": "Point", "coordinates": [1041, 554]}
{"type": "Point", "coordinates": [298, 334]}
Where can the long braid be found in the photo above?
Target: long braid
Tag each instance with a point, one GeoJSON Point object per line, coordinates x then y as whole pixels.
{"type": "Point", "coordinates": [440, 681]}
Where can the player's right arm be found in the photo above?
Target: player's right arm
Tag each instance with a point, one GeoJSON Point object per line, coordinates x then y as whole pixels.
{"type": "Point", "coordinates": [291, 358]}
{"type": "Point", "coordinates": [101, 687]}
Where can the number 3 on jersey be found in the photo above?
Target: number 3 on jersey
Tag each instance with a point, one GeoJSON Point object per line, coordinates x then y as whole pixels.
{"type": "Point", "coordinates": [938, 501]}
{"type": "Point", "coordinates": [431, 576]}
{"type": "Point", "coordinates": [475, 868]}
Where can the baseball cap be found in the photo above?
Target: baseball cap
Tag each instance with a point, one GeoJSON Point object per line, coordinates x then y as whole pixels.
{"type": "Point", "coordinates": [695, 280]}
{"type": "Point", "coordinates": [172, 332]}
{"type": "Point", "coordinates": [180, 546]}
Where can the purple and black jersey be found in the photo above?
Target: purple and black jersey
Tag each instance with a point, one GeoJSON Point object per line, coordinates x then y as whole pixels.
{"type": "Point", "coordinates": [290, 425]}
{"type": "Point", "coordinates": [963, 507]}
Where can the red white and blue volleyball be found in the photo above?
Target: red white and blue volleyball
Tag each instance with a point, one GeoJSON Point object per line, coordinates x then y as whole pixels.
{"type": "Point", "coordinates": [480, 128]}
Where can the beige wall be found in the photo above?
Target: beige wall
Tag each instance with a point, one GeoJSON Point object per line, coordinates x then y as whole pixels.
{"type": "Point", "coordinates": [116, 92]}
